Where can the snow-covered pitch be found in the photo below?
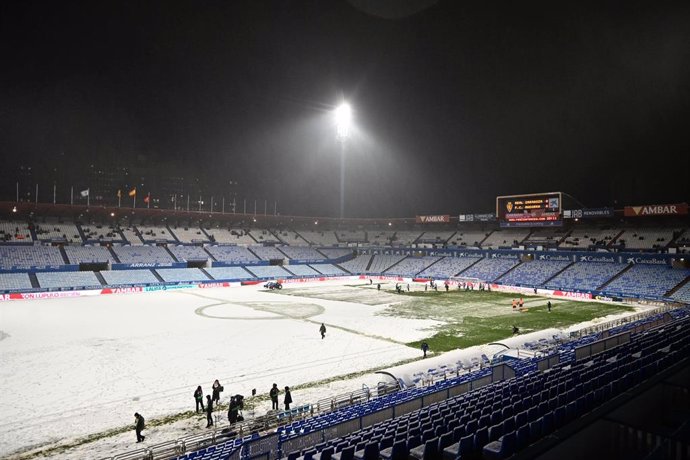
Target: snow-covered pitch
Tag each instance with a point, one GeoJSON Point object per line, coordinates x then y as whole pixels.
{"type": "Point", "coordinates": [77, 366]}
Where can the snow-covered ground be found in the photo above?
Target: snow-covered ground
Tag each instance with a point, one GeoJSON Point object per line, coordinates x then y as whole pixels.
{"type": "Point", "coordinates": [73, 367]}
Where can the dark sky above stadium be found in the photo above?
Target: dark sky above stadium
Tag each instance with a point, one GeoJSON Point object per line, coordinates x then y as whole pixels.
{"type": "Point", "coordinates": [453, 104]}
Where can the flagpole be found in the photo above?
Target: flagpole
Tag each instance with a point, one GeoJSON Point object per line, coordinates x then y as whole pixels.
{"type": "Point", "coordinates": [134, 202]}
{"type": "Point", "coordinates": [211, 203]}
{"type": "Point", "coordinates": [71, 196]}
{"type": "Point", "coordinates": [119, 198]}
{"type": "Point", "coordinates": [17, 192]}
{"type": "Point", "coordinates": [88, 197]}
{"type": "Point", "coordinates": [188, 202]}
{"type": "Point", "coordinates": [53, 192]}
{"type": "Point", "coordinates": [36, 194]}
{"type": "Point", "coordinates": [222, 210]}
{"type": "Point", "coordinates": [148, 201]}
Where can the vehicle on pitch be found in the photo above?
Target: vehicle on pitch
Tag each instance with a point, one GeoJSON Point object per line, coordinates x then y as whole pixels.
{"type": "Point", "coordinates": [271, 285]}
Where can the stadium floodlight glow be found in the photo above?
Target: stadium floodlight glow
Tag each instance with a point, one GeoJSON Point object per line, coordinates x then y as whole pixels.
{"type": "Point", "coordinates": [343, 120]}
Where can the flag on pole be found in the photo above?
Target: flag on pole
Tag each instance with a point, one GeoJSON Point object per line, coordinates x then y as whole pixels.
{"type": "Point", "coordinates": [133, 192]}
{"type": "Point", "coordinates": [84, 193]}
{"type": "Point", "coordinates": [119, 193]}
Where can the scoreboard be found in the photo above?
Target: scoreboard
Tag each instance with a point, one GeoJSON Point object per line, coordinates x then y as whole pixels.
{"type": "Point", "coordinates": [534, 210]}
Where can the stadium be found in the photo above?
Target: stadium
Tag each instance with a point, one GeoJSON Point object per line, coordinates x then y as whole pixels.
{"type": "Point", "coordinates": [408, 288]}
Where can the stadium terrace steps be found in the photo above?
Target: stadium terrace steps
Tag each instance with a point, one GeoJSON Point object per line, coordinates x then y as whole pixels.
{"type": "Point", "coordinates": [616, 276]}
{"type": "Point", "coordinates": [558, 273]}
{"type": "Point", "coordinates": [100, 278]}
{"type": "Point", "coordinates": [158, 277]}
{"type": "Point", "coordinates": [682, 285]}
{"type": "Point", "coordinates": [510, 270]}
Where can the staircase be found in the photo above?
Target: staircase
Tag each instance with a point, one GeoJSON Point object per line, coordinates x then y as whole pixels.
{"type": "Point", "coordinates": [617, 275]}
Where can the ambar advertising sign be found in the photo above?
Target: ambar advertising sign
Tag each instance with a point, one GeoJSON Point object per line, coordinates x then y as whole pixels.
{"type": "Point", "coordinates": [676, 209]}
{"type": "Point", "coordinates": [433, 219]}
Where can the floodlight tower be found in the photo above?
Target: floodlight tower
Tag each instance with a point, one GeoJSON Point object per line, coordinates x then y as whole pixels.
{"type": "Point", "coordinates": [343, 123]}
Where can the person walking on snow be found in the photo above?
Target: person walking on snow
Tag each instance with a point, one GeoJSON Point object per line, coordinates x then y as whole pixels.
{"type": "Point", "coordinates": [139, 426]}
{"type": "Point", "coordinates": [217, 389]}
{"type": "Point", "coordinates": [288, 398]}
{"type": "Point", "coordinates": [199, 398]}
{"type": "Point", "coordinates": [274, 396]}
{"type": "Point", "coordinates": [322, 330]}
{"type": "Point", "coordinates": [209, 412]}
{"type": "Point", "coordinates": [425, 348]}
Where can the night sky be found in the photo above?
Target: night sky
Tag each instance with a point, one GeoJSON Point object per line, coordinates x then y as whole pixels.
{"type": "Point", "coordinates": [453, 104]}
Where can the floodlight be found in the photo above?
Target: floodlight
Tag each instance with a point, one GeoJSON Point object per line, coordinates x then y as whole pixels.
{"type": "Point", "coordinates": [343, 120]}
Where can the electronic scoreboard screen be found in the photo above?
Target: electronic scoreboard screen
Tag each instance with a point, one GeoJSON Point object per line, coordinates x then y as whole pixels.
{"type": "Point", "coordinates": [534, 210]}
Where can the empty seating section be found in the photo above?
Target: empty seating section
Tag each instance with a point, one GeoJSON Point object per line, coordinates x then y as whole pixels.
{"type": "Point", "coordinates": [51, 280]}
{"type": "Point", "coordinates": [142, 254]}
{"type": "Point", "coordinates": [380, 238]}
{"type": "Point", "coordinates": [263, 236]}
{"type": "Point", "coordinates": [232, 254]}
{"type": "Point", "coordinates": [489, 269]}
{"type": "Point", "coordinates": [291, 238]}
{"type": "Point", "coordinates": [328, 269]}
{"type": "Point", "coordinates": [14, 281]}
{"type": "Point", "coordinates": [410, 266]}
{"type": "Point", "coordinates": [302, 253]}
{"type": "Point", "coordinates": [13, 232]}
{"type": "Point", "coordinates": [647, 280]}
{"type": "Point", "coordinates": [585, 275]}
{"type": "Point", "coordinates": [25, 257]}
{"type": "Point", "coordinates": [358, 265]}
{"type": "Point", "coordinates": [646, 238]}
{"type": "Point", "coordinates": [131, 235]}
{"type": "Point", "coordinates": [122, 277]}
{"type": "Point", "coordinates": [505, 238]}
{"type": "Point", "coordinates": [682, 294]}
{"type": "Point", "coordinates": [230, 236]}
{"type": "Point", "coordinates": [582, 238]}
{"type": "Point", "coordinates": [546, 236]}
{"type": "Point", "coordinates": [189, 235]}
{"type": "Point", "coordinates": [57, 231]}
{"type": "Point", "coordinates": [229, 273]}
{"type": "Point", "coordinates": [267, 252]}
{"type": "Point", "coordinates": [88, 254]}
{"type": "Point", "coordinates": [320, 238]}
{"type": "Point", "coordinates": [468, 238]}
{"type": "Point", "coordinates": [176, 275]}
{"type": "Point", "coordinates": [335, 253]}
{"type": "Point", "coordinates": [97, 232]}
{"type": "Point", "coordinates": [382, 262]}
{"type": "Point", "coordinates": [152, 234]}
{"type": "Point", "coordinates": [352, 236]}
{"type": "Point", "coordinates": [436, 237]}
{"type": "Point", "coordinates": [447, 267]}
{"type": "Point", "coordinates": [302, 270]}
{"type": "Point", "coordinates": [187, 253]}
{"type": "Point", "coordinates": [406, 237]}
{"type": "Point", "coordinates": [268, 271]}
{"type": "Point", "coordinates": [533, 273]}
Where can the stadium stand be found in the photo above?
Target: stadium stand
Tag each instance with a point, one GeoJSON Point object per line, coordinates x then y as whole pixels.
{"type": "Point", "coordinates": [178, 275]}
{"type": "Point", "coordinates": [88, 254]}
{"type": "Point", "coordinates": [585, 275]}
{"type": "Point", "coordinates": [468, 238]}
{"type": "Point", "coordinates": [105, 233]}
{"type": "Point", "coordinates": [546, 237]}
{"type": "Point", "coordinates": [142, 254]}
{"type": "Point", "coordinates": [14, 282]}
{"type": "Point", "coordinates": [268, 271]}
{"type": "Point", "coordinates": [358, 265]}
{"type": "Point", "coordinates": [436, 237]}
{"type": "Point", "coordinates": [328, 269]}
{"type": "Point", "coordinates": [301, 270]}
{"type": "Point", "coordinates": [230, 236]}
{"type": "Point", "coordinates": [189, 235]}
{"type": "Point", "coordinates": [151, 234]}
{"type": "Point", "coordinates": [131, 236]}
{"type": "Point", "coordinates": [382, 262]}
{"type": "Point", "coordinates": [351, 236]}
{"type": "Point", "coordinates": [646, 238]}
{"type": "Point", "coordinates": [15, 232]}
{"type": "Point", "coordinates": [232, 254]}
{"type": "Point", "coordinates": [320, 238]}
{"type": "Point", "coordinates": [291, 238]}
{"type": "Point", "coordinates": [647, 280]}
{"type": "Point", "coordinates": [57, 231]}
{"type": "Point", "coordinates": [447, 267]}
{"type": "Point", "coordinates": [533, 273]}
{"type": "Point", "coordinates": [410, 266]}
{"type": "Point", "coordinates": [505, 238]}
{"type": "Point", "coordinates": [489, 269]}
{"type": "Point", "coordinates": [264, 236]}
{"type": "Point", "coordinates": [335, 253]}
{"type": "Point", "coordinates": [267, 252]}
{"type": "Point", "coordinates": [26, 257]}
{"type": "Point", "coordinates": [302, 253]}
{"type": "Point", "coordinates": [52, 280]}
{"type": "Point", "coordinates": [582, 238]}
{"type": "Point", "coordinates": [229, 273]}
{"type": "Point", "coordinates": [127, 277]}
{"type": "Point", "coordinates": [682, 294]}
{"type": "Point", "coordinates": [380, 238]}
{"type": "Point", "coordinates": [187, 253]}
{"type": "Point", "coordinates": [406, 237]}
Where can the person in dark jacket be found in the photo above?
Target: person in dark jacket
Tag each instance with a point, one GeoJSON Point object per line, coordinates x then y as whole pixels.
{"type": "Point", "coordinates": [288, 398]}
{"type": "Point", "coordinates": [217, 388]}
{"type": "Point", "coordinates": [199, 398]}
{"type": "Point", "coordinates": [209, 412]}
{"type": "Point", "coordinates": [233, 410]}
{"type": "Point", "coordinates": [322, 330]}
{"type": "Point", "coordinates": [274, 396]}
{"type": "Point", "coordinates": [425, 348]}
{"type": "Point", "coordinates": [139, 426]}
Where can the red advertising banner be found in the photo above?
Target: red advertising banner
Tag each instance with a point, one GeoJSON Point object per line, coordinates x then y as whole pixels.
{"type": "Point", "coordinates": [677, 209]}
{"type": "Point", "coordinates": [433, 219]}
